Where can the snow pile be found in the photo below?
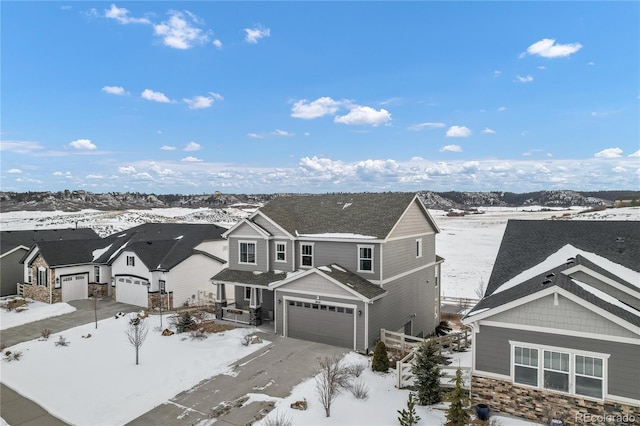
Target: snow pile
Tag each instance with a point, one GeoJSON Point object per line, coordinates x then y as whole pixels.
{"type": "Point", "coordinates": [33, 311]}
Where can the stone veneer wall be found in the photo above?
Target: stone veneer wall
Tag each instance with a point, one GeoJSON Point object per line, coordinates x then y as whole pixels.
{"type": "Point", "coordinates": [535, 404]}
{"type": "Point", "coordinates": [38, 292]}
{"type": "Point", "coordinates": [102, 290]}
{"type": "Point", "coordinates": [154, 298]}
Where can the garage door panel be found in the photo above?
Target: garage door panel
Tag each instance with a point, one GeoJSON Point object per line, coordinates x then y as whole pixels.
{"type": "Point", "coordinates": [74, 287]}
{"type": "Point", "coordinates": [132, 290]}
{"type": "Point", "coordinates": [331, 325]}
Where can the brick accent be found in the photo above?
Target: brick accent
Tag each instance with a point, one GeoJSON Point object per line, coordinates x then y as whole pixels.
{"type": "Point", "coordinates": [535, 404]}
{"type": "Point", "coordinates": [41, 293]}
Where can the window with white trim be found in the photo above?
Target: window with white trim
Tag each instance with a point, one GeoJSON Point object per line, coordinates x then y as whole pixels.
{"type": "Point", "coordinates": [131, 261]}
{"type": "Point", "coordinates": [247, 293]}
{"type": "Point", "coordinates": [42, 277]}
{"type": "Point", "coordinates": [365, 258]}
{"type": "Point", "coordinates": [556, 371]}
{"type": "Point", "coordinates": [589, 376]}
{"type": "Point", "coordinates": [247, 253]}
{"type": "Point", "coordinates": [306, 255]}
{"type": "Point", "coordinates": [281, 251]}
{"type": "Point", "coordinates": [96, 271]}
{"type": "Point", "coordinates": [525, 366]}
{"type": "Point", "coordinates": [29, 274]}
{"type": "Point", "coordinates": [418, 247]}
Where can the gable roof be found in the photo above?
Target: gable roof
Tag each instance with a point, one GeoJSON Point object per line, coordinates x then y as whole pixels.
{"type": "Point", "coordinates": [361, 214]}
{"type": "Point", "coordinates": [526, 243]}
{"type": "Point", "coordinates": [61, 253]}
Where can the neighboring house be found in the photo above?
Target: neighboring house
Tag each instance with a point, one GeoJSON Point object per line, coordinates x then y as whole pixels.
{"type": "Point", "coordinates": [15, 244]}
{"type": "Point", "coordinates": [131, 266]}
{"type": "Point", "coordinates": [557, 334]}
{"type": "Point", "coordinates": [335, 268]}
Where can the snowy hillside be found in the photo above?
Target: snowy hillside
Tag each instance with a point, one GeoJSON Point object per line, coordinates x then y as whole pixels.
{"type": "Point", "coordinates": [468, 243]}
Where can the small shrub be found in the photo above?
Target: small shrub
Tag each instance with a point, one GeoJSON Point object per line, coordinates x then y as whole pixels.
{"type": "Point", "coordinates": [62, 341]}
{"type": "Point", "coordinates": [198, 335]}
{"type": "Point", "coordinates": [277, 419]}
{"type": "Point", "coordinates": [357, 369]}
{"type": "Point", "coordinates": [12, 356]}
{"type": "Point", "coordinates": [380, 358]}
{"type": "Point", "coordinates": [408, 416]}
{"type": "Point", "coordinates": [246, 340]}
{"type": "Point", "coordinates": [183, 323]}
{"type": "Point", "coordinates": [360, 390]}
{"type": "Point", "coordinates": [45, 333]}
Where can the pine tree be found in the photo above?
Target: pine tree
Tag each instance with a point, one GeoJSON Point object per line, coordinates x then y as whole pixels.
{"type": "Point", "coordinates": [459, 399]}
{"type": "Point", "coordinates": [185, 323]}
{"type": "Point", "coordinates": [380, 358]}
{"type": "Point", "coordinates": [408, 416]}
{"type": "Point", "coordinates": [426, 370]}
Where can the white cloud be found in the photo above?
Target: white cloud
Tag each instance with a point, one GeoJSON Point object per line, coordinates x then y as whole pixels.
{"type": "Point", "coordinates": [217, 43]}
{"type": "Point", "coordinates": [318, 108]}
{"type": "Point", "coordinates": [502, 109]}
{"type": "Point", "coordinates": [635, 154]}
{"type": "Point", "coordinates": [191, 159]}
{"type": "Point", "coordinates": [122, 16]}
{"type": "Point", "coordinates": [591, 63]}
{"type": "Point", "coordinates": [279, 132]}
{"type": "Point", "coordinates": [127, 170]}
{"type": "Point", "coordinates": [20, 147]}
{"type": "Point", "coordinates": [547, 48]}
{"type": "Point", "coordinates": [95, 177]}
{"type": "Point", "coordinates": [497, 73]}
{"type": "Point", "coordinates": [83, 144]}
{"type": "Point", "coordinates": [58, 173]}
{"type": "Point", "coordinates": [168, 148]}
{"type": "Point", "coordinates": [181, 30]}
{"type": "Point", "coordinates": [542, 67]}
{"type": "Point", "coordinates": [14, 171]}
{"type": "Point", "coordinates": [526, 79]}
{"type": "Point", "coordinates": [364, 115]}
{"type": "Point", "coordinates": [150, 95]}
{"type": "Point", "coordinates": [254, 34]}
{"type": "Point", "coordinates": [114, 90]}
{"type": "Point", "coordinates": [420, 126]}
{"type": "Point", "coordinates": [458, 132]}
{"type": "Point", "coordinates": [451, 148]}
{"type": "Point", "coordinates": [619, 169]}
{"type": "Point", "coordinates": [192, 146]}
{"type": "Point", "coordinates": [255, 135]}
{"type": "Point", "coordinates": [488, 131]}
{"type": "Point", "coordinates": [609, 153]}
{"type": "Point", "coordinates": [199, 102]}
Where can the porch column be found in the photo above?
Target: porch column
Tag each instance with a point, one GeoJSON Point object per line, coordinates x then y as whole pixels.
{"type": "Point", "coordinates": [221, 299]}
{"type": "Point", "coordinates": [255, 307]}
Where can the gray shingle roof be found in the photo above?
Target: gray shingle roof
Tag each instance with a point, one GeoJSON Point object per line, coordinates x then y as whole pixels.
{"type": "Point", "coordinates": [354, 281]}
{"type": "Point", "coordinates": [371, 214]}
{"type": "Point", "coordinates": [60, 253]}
{"type": "Point", "coordinates": [12, 239]}
{"type": "Point", "coordinates": [263, 279]}
{"type": "Point", "coordinates": [528, 242]}
{"type": "Point", "coordinates": [546, 280]}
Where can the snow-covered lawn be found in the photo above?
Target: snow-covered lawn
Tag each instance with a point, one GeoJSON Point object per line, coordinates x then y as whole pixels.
{"type": "Point", "coordinates": [95, 381]}
{"type": "Point", "coordinates": [31, 312]}
{"type": "Point", "coordinates": [380, 408]}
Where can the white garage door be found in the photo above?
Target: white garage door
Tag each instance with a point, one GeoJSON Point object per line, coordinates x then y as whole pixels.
{"type": "Point", "coordinates": [321, 323]}
{"type": "Point", "coordinates": [132, 290]}
{"type": "Point", "coordinates": [74, 287]}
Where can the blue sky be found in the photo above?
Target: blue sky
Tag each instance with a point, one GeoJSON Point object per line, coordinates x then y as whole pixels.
{"type": "Point", "coordinates": [262, 97]}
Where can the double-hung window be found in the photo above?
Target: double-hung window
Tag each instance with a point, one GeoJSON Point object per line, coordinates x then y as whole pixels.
{"type": "Point", "coordinates": [306, 254]}
{"type": "Point", "coordinates": [131, 261]}
{"type": "Point", "coordinates": [281, 251]}
{"type": "Point", "coordinates": [556, 371]}
{"type": "Point", "coordinates": [96, 270]}
{"type": "Point", "coordinates": [42, 277]}
{"type": "Point", "coordinates": [589, 376]}
{"type": "Point", "coordinates": [365, 258]}
{"type": "Point", "coordinates": [29, 274]}
{"type": "Point", "coordinates": [525, 366]}
{"type": "Point", "coordinates": [247, 252]}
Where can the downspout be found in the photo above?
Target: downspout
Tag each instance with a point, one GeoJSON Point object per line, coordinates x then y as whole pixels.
{"type": "Point", "coordinates": [50, 292]}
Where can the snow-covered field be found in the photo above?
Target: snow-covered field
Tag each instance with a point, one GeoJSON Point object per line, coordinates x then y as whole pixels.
{"type": "Point", "coordinates": [98, 369]}
{"type": "Point", "coordinates": [33, 311]}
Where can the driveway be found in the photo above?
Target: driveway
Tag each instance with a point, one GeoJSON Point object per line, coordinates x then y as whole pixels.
{"type": "Point", "coordinates": [273, 370]}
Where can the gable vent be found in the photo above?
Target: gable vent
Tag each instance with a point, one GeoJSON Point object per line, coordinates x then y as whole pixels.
{"type": "Point", "coordinates": [619, 239]}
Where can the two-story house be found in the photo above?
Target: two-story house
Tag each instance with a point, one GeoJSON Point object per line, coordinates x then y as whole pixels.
{"type": "Point", "coordinates": [335, 268]}
{"type": "Point", "coordinates": [558, 329]}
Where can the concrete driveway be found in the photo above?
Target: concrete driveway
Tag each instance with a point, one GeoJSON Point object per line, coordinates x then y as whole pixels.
{"type": "Point", "coordinates": [273, 370]}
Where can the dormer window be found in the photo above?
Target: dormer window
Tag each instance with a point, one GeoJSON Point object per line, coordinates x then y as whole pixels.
{"type": "Point", "coordinates": [247, 252]}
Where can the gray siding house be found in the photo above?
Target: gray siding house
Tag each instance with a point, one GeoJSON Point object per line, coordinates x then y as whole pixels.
{"type": "Point", "coordinates": [558, 330]}
{"type": "Point", "coordinates": [335, 268]}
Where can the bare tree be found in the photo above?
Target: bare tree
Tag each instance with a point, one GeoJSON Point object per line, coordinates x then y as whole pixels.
{"type": "Point", "coordinates": [137, 333]}
{"type": "Point", "coordinates": [479, 291]}
{"type": "Point", "coordinates": [332, 379]}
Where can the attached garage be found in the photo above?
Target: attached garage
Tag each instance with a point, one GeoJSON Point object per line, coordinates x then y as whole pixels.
{"type": "Point", "coordinates": [321, 322]}
{"type": "Point", "coordinates": [132, 290]}
{"type": "Point", "coordinates": [74, 287]}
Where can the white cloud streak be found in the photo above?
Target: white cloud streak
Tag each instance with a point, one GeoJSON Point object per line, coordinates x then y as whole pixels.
{"type": "Point", "coordinates": [421, 126]}
{"type": "Point", "coordinates": [114, 90]}
{"type": "Point", "coordinates": [364, 115]}
{"type": "Point", "coordinates": [315, 109]}
{"type": "Point", "coordinates": [192, 146]}
{"type": "Point", "coordinates": [122, 16]}
{"type": "Point", "coordinates": [451, 148]}
{"type": "Point", "coordinates": [253, 35]}
{"type": "Point", "coordinates": [548, 48]}
{"type": "Point", "coordinates": [181, 30]}
{"type": "Point", "coordinates": [609, 153]}
{"type": "Point", "coordinates": [83, 144]}
{"type": "Point", "coordinates": [458, 132]}
{"type": "Point", "coordinates": [526, 79]}
{"type": "Point", "coordinates": [150, 95]}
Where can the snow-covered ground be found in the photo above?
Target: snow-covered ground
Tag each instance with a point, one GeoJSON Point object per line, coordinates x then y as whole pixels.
{"type": "Point", "coordinates": [32, 311]}
{"type": "Point", "coordinates": [98, 368]}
